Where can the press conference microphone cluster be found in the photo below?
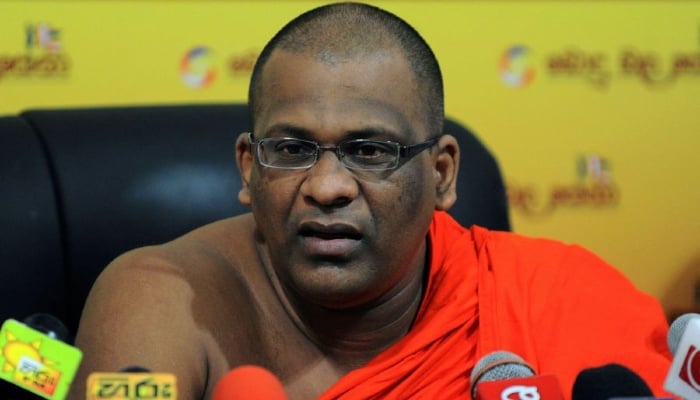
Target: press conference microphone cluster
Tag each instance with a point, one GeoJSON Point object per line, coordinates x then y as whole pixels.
{"type": "Point", "coordinates": [504, 375]}
{"type": "Point", "coordinates": [683, 378]}
{"type": "Point", "coordinates": [249, 382]}
{"type": "Point", "coordinates": [37, 361]}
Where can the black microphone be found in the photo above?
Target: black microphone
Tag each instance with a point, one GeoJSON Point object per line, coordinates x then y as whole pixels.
{"type": "Point", "coordinates": [609, 381]}
{"type": "Point", "coordinates": [50, 326]}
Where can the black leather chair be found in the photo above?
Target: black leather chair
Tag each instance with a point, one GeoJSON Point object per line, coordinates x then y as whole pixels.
{"type": "Point", "coordinates": [81, 186]}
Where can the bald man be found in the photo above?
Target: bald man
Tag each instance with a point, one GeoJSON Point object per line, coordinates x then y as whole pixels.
{"type": "Point", "coordinates": [348, 279]}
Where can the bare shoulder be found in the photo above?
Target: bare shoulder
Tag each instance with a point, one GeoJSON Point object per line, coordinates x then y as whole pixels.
{"type": "Point", "coordinates": [160, 307]}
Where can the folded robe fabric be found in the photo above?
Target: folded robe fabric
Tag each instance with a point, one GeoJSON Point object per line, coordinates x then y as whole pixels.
{"type": "Point", "coordinates": [558, 306]}
{"type": "Point", "coordinates": [433, 360]}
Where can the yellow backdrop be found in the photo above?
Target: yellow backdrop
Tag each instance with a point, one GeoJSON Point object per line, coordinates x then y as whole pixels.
{"type": "Point", "coordinates": [590, 107]}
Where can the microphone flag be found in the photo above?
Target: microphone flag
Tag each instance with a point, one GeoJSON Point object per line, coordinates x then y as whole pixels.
{"type": "Point", "coordinates": [36, 362]}
{"type": "Point", "coordinates": [683, 378]}
{"type": "Point", "coordinates": [541, 387]}
{"type": "Point", "coordinates": [131, 386]}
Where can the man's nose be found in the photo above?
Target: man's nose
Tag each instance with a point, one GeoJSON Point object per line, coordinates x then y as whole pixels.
{"type": "Point", "coordinates": [329, 182]}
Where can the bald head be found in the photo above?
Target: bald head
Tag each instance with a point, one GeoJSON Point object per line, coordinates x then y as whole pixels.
{"type": "Point", "coordinates": [350, 32]}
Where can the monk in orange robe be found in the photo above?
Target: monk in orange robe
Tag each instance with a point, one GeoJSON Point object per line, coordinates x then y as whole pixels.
{"type": "Point", "coordinates": [348, 278]}
{"type": "Point", "coordinates": [558, 306]}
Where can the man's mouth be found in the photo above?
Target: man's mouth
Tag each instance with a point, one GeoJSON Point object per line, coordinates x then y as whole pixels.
{"type": "Point", "coordinates": [329, 240]}
{"type": "Point", "coordinates": [329, 231]}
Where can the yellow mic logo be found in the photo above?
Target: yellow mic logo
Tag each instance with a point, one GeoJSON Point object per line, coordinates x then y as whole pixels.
{"type": "Point", "coordinates": [131, 386]}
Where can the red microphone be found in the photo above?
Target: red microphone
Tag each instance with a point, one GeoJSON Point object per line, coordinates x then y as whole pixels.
{"type": "Point", "coordinates": [504, 375]}
{"type": "Point", "coordinates": [249, 382]}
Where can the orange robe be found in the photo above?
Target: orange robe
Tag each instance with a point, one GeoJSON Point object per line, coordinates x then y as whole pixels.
{"type": "Point", "coordinates": [558, 306]}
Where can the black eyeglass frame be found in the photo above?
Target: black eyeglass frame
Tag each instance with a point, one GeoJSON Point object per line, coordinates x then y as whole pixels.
{"type": "Point", "coordinates": [404, 152]}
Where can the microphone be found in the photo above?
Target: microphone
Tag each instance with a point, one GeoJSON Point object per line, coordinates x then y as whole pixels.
{"type": "Point", "coordinates": [504, 375]}
{"type": "Point", "coordinates": [676, 330]}
{"type": "Point", "coordinates": [35, 358]}
{"type": "Point", "coordinates": [249, 382]}
{"type": "Point", "coordinates": [132, 382]}
{"type": "Point", "coordinates": [610, 381]}
{"type": "Point", "coordinates": [683, 378]}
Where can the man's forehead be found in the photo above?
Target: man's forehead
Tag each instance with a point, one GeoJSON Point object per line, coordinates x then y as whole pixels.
{"type": "Point", "coordinates": [378, 73]}
{"type": "Point", "coordinates": [389, 69]}
{"type": "Point", "coordinates": [301, 88]}
{"type": "Point", "coordinates": [333, 56]}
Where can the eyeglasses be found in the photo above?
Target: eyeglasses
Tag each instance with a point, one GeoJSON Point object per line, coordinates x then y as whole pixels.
{"type": "Point", "coordinates": [358, 154]}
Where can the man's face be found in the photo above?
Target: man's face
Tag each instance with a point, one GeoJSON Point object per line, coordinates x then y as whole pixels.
{"type": "Point", "coordinates": [339, 237]}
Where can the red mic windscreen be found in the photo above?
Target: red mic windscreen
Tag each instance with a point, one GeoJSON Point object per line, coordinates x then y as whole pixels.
{"type": "Point", "coordinates": [249, 382]}
{"type": "Point", "coordinates": [505, 375]}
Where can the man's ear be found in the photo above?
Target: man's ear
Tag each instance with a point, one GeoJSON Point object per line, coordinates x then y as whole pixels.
{"type": "Point", "coordinates": [446, 167]}
{"type": "Point", "coordinates": [245, 162]}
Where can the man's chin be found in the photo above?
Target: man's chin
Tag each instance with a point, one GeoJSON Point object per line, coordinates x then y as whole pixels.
{"type": "Point", "coordinates": [333, 287]}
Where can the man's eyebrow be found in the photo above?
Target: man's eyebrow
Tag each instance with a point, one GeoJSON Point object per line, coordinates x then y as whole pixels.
{"type": "Point", "coordinates": [285, 129]}
{"type": "Point", "coordinates": [376, 132]}
{"type": "Point", "coordinates": [369, 132]}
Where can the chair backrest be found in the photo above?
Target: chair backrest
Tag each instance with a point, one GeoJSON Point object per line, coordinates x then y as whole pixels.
{"type": "Point", "coordinates": [481, 191]}
{"type": "Point", "coordinates": [89, 184]}
{"type": "Point", "coordinates": [31, 248]}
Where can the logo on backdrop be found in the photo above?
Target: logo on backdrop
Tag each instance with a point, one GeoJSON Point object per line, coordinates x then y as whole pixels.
{"type": "Point", "coordinates": [43, 36]}
{"type": "Point", "coordinates": [652, 68]}
{"type": "Point", "coordinates": [593, 188]}
{"type": "Point", "coordinates": [43, 55]}
{"type": "Point", "coordinates": [572, 63]}
{"type": "Point", "coordinates": [197, 67]}
{"type": "Point", "coordinates": [242, 64]}
{"type": "Point", "coordinates": [648, 67]}
{"type": "Point", "coordinates": [516, 67]}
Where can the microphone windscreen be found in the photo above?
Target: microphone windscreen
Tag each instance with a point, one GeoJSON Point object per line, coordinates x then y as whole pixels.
{"type": "Point", "coordinates": [675, 331]}
{"type": "Point", "coordinates": [609, 381]}
{"type": "Point", "coordinates": [499, 365]}
{"type": "Point", "coordinates": [249, 382]}
{"type": "Point", "coordinates": [35, 360]}
{"type": "Point", "coordinates": [683, 378]}
{"type": "Point", "coordinates": [49, 325]}
{"type": "Point", "coordinates": [135, 369]}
